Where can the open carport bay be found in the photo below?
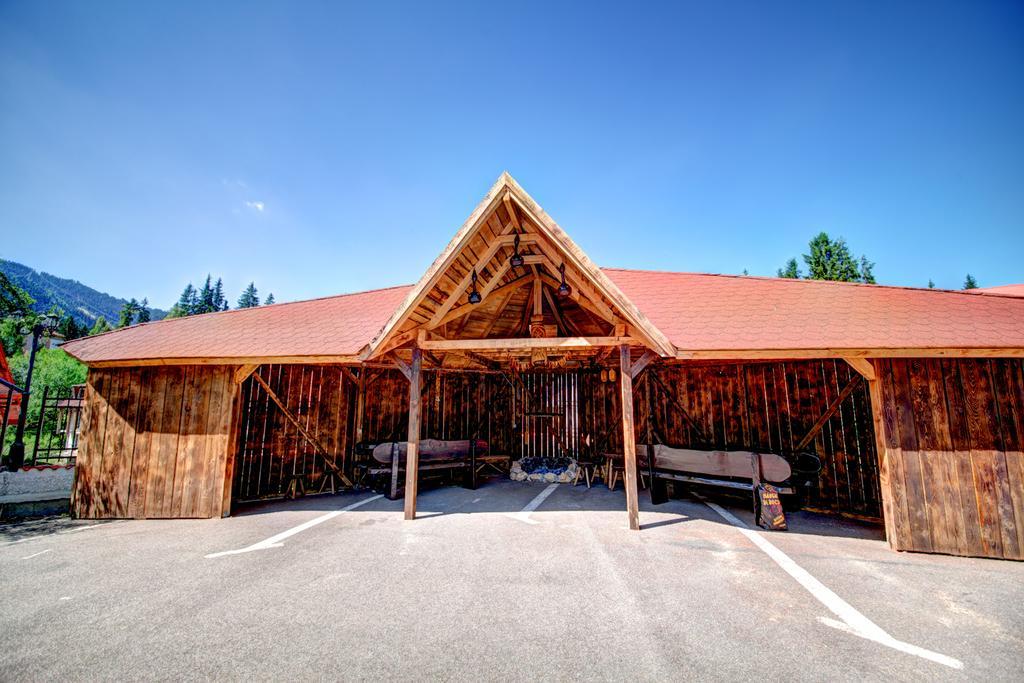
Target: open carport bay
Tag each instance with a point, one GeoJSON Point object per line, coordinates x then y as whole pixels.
{"type": "Point", "coordinates": [483, 587]}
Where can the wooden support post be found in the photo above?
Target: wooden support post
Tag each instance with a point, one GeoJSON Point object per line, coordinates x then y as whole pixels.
{"type": "Point", "coordinates": [888, 511]}
{"type": "Point", "coordinates": [659, 489]}
{"type": "Point", "coordinates": [360, 406]}
{"type": "Point", "coordinates": [628, 438]}
{"type": "Point", "coordinates": [412, 458]}
{"type": "Point", "coordinates": [234, 437]}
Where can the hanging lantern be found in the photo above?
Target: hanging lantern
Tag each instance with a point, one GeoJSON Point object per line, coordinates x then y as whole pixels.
{"type": "Point", "coordinates": [474, 295]}
{"type": "Point", "coordinates": [564, 289]}
{"type": "Point", "coordinates": [517, 259]}
{"type": "Point", "coordinates": [611, 375]}
{"type": "Point", "coordinates": [604, 375]}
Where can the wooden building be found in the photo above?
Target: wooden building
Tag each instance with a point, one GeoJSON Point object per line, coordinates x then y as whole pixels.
{"type": "Point", "coordinates": [913, 400]}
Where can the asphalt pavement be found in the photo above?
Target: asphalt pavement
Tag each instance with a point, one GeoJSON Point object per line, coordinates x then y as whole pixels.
{"type": "Point", "coordinates": [481, 587]}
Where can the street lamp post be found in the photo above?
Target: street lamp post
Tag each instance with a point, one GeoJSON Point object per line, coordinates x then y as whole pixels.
{"type": "Point", "coordinates": [16, 455]}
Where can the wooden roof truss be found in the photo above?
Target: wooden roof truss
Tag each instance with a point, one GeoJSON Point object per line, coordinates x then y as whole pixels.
{"type": "Point", "coordinates": [520, 311]}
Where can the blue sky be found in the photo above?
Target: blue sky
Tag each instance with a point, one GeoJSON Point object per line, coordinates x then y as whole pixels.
{"type": "Point", "coordinates": [319, 148]}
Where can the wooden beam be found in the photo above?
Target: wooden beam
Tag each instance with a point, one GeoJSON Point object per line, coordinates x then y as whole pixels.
{"type": "Point", "coordinates": [520, 343]}
{"type": "Point", "coordinates": [226, 360]}
{"type": "Point", "coordinates": [628, 438]}
{"type": "Point", "coordinates": [234, 435]}
{"type": "Point", "coordinates": [360, 407]}
{"type": "Point", "coordinates": [581, 291]}
{"type": "Point", "coordinates": [829, 412]}
{"type": "Point", "coordinates": [588, 269]}
{"type": "Point", "coordinates": [513, 218]}
{"type": "Point", "coordinates": [243, 372]}
{"type": "Point", "coordinates": [485, 363]}
{"type": "Point", "coordinates": [538, 300]}
{"type": "Point", "coordinates": [302, 430]}
{"type": "Point", "coordinates": [568, 327]}
{"type": "Point", "coordinates": [347, 371]}
{"type": "Point", "coordinates": [451, 252]}
{"type": "Point", "coordinates": [862, 366]}
{"type": "Point", "coordinates": [479, 265]}
{"type": "Point", "coordinates": [412, 458]}
{"type": "Point", "coordinates": [502, 305]}
{"type": "Point", "coordinates": [406, 370]}
{"type": "Point", "coordinates": [464, 309]}
{"type": "Point", "coordinates": [884, 474]}
{"type": "Point", "coordinates": [398, 340]}
{"type": "Point", "coordinates": [641, 363]}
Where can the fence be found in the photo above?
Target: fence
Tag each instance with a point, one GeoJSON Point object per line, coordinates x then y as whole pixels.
{"type": "Point", "coordinates": [52, 437]}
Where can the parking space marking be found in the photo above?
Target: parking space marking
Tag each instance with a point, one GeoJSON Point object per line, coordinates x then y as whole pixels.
{"type": "Point", "coordinates": [41, 552]}
{"type": "Point", "coordinates": [275, 540]}
{"type": "Point", "coordinates": [852, 621]}
{"type": "Point", "coordinates": [524, 514]}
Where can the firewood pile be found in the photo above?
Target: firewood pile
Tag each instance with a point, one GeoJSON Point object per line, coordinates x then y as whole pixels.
{"type": "Point", "coordinates": [560, 470]}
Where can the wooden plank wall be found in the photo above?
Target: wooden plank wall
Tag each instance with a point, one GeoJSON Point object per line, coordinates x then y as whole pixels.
{"type": "Point", "coordinates": [767, 406]}
{"type": "Point", "coordinates": [954, 436]}
{"type": "Point", "coordinates": [271, 449]}
{"type": "Point", "coordinates": [770, 406]}
{"type": "Point", "coordinates": [324, 399]}
{"type": "Point", "coordinates": [154, 442]}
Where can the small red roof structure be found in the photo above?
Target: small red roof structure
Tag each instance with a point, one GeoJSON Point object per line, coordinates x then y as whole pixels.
{"type": "Point", "coordinates": [15, 409]}
{"type": "Point", "coordinates": [1003, 290]}
{"type": "Point", "coordinates": [686, 315]}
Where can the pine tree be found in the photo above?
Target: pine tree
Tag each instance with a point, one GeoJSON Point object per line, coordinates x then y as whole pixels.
{"type": "Point", "coordinates": [931, 285]}
{"type": "Point", "coordinates": [14, 301]}
{"type": "Point", "coordinates": [867, 275]}
{"type": "Point", "coordinates": [249, 297]}
{"type": "Point", "coordinates": [830, 260]}
{"type": "Point", "coordinates": [68, 327]}
{"type": "Point", "coordinates": [186, 303]}
{"type": "Point", "coordinates": [970, 282]}
{"type": "Point", "coordinates": [206, 301]}
{"type": "Point", "coordinates": [270, 299]}
{"type": "Point", "coordinates": [128, 311]}
{"type": "Point", "coordinates": [220, 302]}
{"type": "Point", "coordinates": [144, 314]}
{"type": "Point", "coordinates": [791, 270]}
{"type": "Point", "coordinates": [100, 326]}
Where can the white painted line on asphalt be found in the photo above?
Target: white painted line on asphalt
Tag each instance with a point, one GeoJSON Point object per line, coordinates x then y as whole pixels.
{"type": "Point", "coordinates": [41, 552]}
{"type": "Point", "coordinates": [852, 621]}
{"type": "Point", "coordinates": [275, 540]}
{"type": "Point", "coordinates": [524, 514]}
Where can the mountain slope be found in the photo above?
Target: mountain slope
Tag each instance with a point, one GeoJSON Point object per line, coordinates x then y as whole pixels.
{"type": "Point", "coordinates": [82, 302]}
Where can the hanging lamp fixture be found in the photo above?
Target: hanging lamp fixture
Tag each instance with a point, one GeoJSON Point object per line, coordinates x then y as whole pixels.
{"type": "Point", "coordinates": [517, 259]}
{"type": "Point", "coordinates": [564, 289]}
{"type": "Point", "coordinates": [474, 294]}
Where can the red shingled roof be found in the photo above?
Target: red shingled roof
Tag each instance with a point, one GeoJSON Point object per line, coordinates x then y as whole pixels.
{"type": "Point", "coordinates": [697, 312]}
{"type": "Point", "coordinates": [1005, 290]}
{"type": "Point", "coordinates": [700, 312]}
{"type": "Point", "coordinates": [332, 326]}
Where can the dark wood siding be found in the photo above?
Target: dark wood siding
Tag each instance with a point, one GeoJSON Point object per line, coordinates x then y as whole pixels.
{"type": "Point", "coordinates": [953, 438]}
{"type": "Point", "coordinates": [770, 407]}
{"type": "Point", "coordinates": [155, 442]}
